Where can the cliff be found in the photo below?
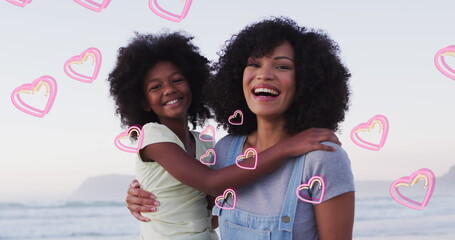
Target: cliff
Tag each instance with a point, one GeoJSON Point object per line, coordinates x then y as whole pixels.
{"type": "Point", "coordinates": [110, 188]}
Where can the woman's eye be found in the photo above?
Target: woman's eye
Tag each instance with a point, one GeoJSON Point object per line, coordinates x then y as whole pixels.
{"type": "Point", "coordinates": [177, 80]}
{"type": "Point", "coordinates": [282, 67]}
{"type": "Point", "coordinates": [253, 65]}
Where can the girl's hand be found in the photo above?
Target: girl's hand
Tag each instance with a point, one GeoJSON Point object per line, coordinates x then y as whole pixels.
{"type": "Point", "coordinates": [139, 201]}
{"type": "Point", "coordinates": [309, 140]}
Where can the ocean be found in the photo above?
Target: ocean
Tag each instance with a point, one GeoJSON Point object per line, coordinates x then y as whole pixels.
{"type": "Point", "coordinates": [72, 221]}
{"type": "Point", "coordinates": [376, 218]}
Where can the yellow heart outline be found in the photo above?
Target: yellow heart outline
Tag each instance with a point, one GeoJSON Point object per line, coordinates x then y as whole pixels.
{"type": "Point", "coordinates": [37, 88]}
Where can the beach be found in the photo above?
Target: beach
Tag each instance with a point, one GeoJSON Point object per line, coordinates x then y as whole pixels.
{"type": "Point", "coordinates": [410, 237]}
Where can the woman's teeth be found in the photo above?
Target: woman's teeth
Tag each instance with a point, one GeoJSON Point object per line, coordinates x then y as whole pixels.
{"type": "Point", "coordinates": [265, 91]}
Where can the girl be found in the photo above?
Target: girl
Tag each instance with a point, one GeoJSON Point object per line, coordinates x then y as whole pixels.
{"type": "Point", "coordinates": [157, 83]}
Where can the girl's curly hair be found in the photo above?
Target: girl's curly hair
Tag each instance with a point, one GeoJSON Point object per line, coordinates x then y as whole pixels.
{"type": "Point", "coordinates": [322, 92]}
{"type": "Point", "coordinates": [134, 61]}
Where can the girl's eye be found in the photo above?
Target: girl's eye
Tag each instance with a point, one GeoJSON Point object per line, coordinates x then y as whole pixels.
{"type": "Point", "coordinates": [177, 80]}
{"type": "Point", "coordinates": [154, 87]}
{"type": "Point", "coordinates": [255, 65]}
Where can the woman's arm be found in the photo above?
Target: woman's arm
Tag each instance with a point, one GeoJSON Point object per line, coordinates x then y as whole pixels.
{"type": "Point", "coordinates": [139, 200]}
{"type": "Point", "coordinates": [194, 174]}
{"type": "Point", "coordinates": [335, 217]}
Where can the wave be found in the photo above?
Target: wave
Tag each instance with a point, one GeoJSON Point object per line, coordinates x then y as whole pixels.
{"type": "Point", "coordinates": [71, 221]}
{"type": "Point", "coordinates": [134, 235]}
{"type": "Point", "coordinates": [368, 209]}
{"type": "Point", "coordinates": [60, 204]}
{"type": "Point", "coordinates": [94, 204]}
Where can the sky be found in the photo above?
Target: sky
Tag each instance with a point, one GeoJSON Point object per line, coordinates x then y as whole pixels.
{"type": "Point", "coordinates": [388, 46]}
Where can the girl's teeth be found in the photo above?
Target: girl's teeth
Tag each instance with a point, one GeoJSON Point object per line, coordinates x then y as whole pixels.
{"type": "Point", "coordinates": [172, 102]}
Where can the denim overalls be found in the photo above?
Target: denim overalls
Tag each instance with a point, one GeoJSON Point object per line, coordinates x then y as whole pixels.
{"type": "Point", "coordinates": [236, 224]}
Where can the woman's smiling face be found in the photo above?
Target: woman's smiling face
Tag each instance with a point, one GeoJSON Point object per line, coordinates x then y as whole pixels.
{"type": "Point", "coordinates": [269, 82]}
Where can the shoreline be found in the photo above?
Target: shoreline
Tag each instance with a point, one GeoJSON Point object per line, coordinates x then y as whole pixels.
{"type": "Point", "coordinates": [409, 237]}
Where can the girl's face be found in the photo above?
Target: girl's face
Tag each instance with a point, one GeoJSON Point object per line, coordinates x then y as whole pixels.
{"type": "Point", "coordinates": [269, 82]}
{"type": "Point", "coordinates": [167, 92]}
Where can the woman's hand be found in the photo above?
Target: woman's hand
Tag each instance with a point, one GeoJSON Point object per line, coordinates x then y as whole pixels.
{"type": "Point", "coordinates": [309, 140]}
{"type": "Point", "coordinates": [139, 201]}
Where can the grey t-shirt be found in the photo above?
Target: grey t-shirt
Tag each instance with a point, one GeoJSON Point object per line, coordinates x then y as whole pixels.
{"type": "Point", "coordinates": [265, 196]}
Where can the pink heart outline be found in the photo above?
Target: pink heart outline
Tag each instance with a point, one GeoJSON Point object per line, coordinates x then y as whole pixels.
{"type": "Point", "coordinates": [79, 58]}
{"type": "Point", "coordinates": [242, 157]}
{"type": "Point", "coordinates": [20, 3]}
{"type": "Point", "coordinates": [127, 134]}
{"type": "Point", "coordinates": [209, 133]}
{"type": "Point", "coordinates": [403, 200]}
{"type": "Point", "coordinates": [368, 145]}
{"type": "Point", "coordinates": [237, 112]}
{"type": "Point", "coordinates": [207, 154]}
{"type": "Point", "coordinates": [26, 108]}
{"type": "Point", "coordinates": [158, 10]}
{"type": "Point", "coordinates": [222, 199]}
{"type": "Point", "coordinates": [92, 5]}
{"type": "Point", "coordinates": [439, 57]}
{"type": "Point", "coordinates": [309, 185]}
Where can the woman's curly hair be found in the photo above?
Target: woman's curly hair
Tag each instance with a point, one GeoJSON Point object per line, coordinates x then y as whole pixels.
{"type": "Point", "coordinates": [322, 92]}
{"type": "Point", "coordinates": [144, 52]}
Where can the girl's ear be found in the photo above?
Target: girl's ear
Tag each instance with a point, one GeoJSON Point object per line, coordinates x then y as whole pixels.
{"type": "Point", "coordinates": [146, 107]}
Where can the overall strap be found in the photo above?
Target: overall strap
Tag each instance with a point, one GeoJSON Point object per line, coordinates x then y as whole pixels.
{"type": "Point", "coordinates": [234, 148]}
{"type": "Point", "coordinates": [288, 211]}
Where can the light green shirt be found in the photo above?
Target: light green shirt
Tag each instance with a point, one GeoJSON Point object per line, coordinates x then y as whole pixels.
{"type": "Point", "coordinates": [183, 212]}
